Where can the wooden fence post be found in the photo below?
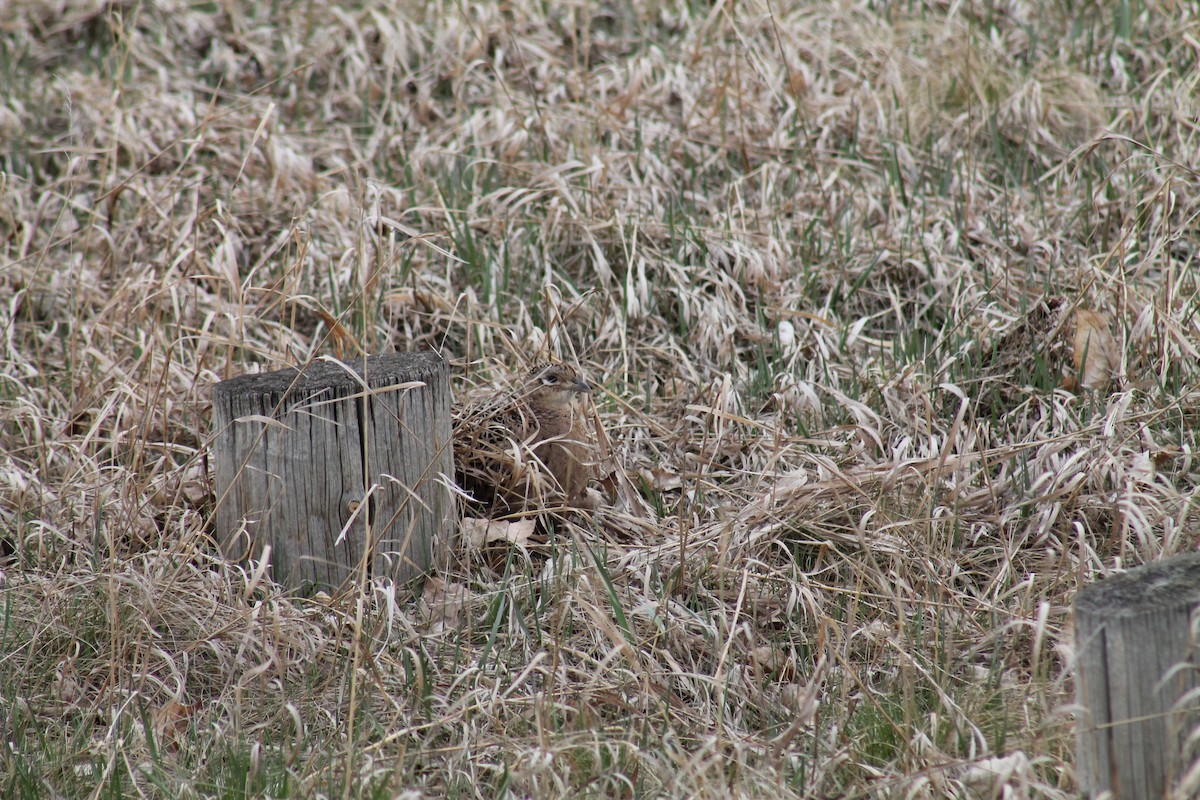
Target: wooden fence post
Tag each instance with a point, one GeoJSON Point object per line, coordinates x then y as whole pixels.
{"type": "Point", "coordinates": [1137, 662]}
{"type": "Point", "coordinates": [333, 464]}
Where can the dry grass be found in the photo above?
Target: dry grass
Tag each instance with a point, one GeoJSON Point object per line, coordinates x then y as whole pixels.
{"type": "Point", "coordinates": [823, 260]}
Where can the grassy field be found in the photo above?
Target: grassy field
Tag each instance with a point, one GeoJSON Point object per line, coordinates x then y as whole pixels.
{"type": "Point", "coordinates": [892, 308]}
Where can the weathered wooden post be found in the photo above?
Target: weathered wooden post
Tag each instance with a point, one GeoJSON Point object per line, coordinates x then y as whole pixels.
{"type": "Point", "coordinates": [1137, 662]}
{"type": "Point", "coordinates": [333, 464]}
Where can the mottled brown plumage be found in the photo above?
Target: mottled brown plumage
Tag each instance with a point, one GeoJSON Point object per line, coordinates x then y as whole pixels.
{"type": "Point", "coordinates": [528, 448]}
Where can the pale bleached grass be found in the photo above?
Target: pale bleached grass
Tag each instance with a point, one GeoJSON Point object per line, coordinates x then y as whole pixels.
{"type": "Point", "coordinates": [823, 260]}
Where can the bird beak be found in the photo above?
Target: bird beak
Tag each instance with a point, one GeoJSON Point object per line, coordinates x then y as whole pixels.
{"type": "Point", "coordinates": [581, 386]}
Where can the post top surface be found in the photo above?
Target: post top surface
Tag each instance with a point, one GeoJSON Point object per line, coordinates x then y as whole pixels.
{"type": "Point", "coordinates": [379, 370]}
{"type": "Point", "coordinates": [1171, 582]}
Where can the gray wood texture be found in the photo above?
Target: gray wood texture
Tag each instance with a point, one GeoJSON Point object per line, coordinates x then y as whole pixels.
{"type": "Point", "coordinates": [296, 453]}
{"type": "Point", "coordinates": [1137, 662]}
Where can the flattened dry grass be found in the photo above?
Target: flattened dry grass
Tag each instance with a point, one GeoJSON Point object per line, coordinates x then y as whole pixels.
{"type": "Point", "coordinates": [822, 260]}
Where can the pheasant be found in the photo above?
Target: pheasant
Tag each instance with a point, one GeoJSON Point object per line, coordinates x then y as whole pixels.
{"type": "Point", "coordinates": [528, 448]}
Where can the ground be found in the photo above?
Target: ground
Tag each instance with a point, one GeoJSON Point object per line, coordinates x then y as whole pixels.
{"type": "Point", "coordinates": [891, 310]}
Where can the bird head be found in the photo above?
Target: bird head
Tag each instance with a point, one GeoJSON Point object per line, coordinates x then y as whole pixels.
{"type": "Point", "coordinates": [556, 383]}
